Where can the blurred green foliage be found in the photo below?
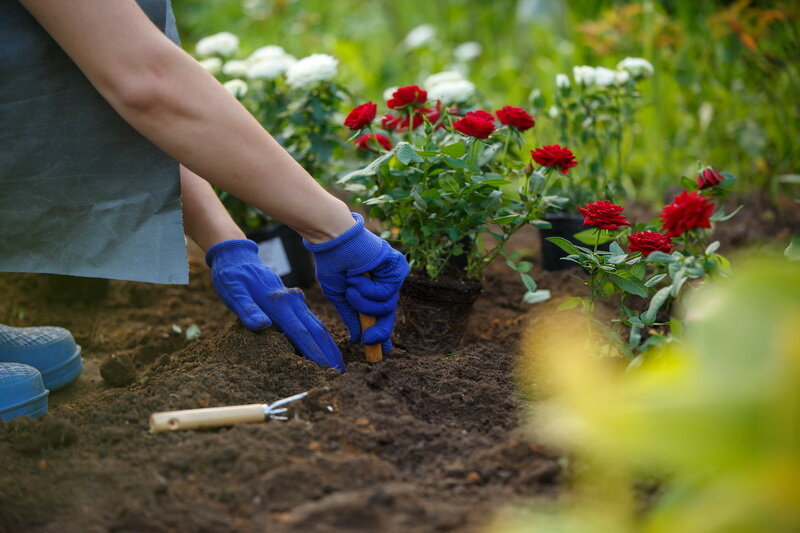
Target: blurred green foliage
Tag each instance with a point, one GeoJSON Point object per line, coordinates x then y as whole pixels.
{"type": "Point", "coordinates": [724, 92]}
{"type": "Point", "coordinates": [713, 419]}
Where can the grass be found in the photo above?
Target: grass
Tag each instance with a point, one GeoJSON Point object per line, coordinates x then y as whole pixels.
{"type": "Point", "coordinates": [724, 93]}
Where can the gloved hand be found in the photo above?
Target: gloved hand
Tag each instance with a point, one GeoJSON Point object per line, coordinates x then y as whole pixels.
{"type": "Point", "coordinates": [259, 298]}
{"type": "Point", "coordinates": [341, 264]}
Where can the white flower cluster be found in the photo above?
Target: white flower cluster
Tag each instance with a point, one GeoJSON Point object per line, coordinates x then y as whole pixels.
{"type": "Point", "coordinates": [237, 88]}
{"type": "Point", "coordinates": [312, 69]}
{"type": "Point", "coordinates": [466, 52]}
{"type": "Point", "coordinates": [449, 87]}
{"type": "Point", "coordinates": [269, 63]}
{"type": "Point", "coordinates": [420, 36]}
{"type": "Point", "coordinates": [223, 44]}
{"type": "Point", "coordinates": [637, 67]}
{"type": "Point", "coordinates": [631, 67]}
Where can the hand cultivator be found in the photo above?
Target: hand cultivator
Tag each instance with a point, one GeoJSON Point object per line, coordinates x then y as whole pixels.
{"type": "Point", "coordinates": [221, 416]}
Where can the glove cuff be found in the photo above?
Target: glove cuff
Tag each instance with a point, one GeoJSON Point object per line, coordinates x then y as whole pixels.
{"type": "Point", "coordinates": [355, 247]}
{"type": "Point", "coordinates": [232, 252]}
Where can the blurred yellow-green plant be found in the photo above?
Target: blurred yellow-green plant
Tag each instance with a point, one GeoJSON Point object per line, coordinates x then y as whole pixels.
{"type": "Point", "coordinates": [716, 417]}
{"type": "Point", "coordinates": [726, 73]}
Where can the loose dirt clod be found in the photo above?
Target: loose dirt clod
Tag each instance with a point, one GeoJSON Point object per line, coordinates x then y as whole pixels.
{"type": "Point", "coordinates": [30, 437]}
{"type": "Point", "coordinates": [118, 370]}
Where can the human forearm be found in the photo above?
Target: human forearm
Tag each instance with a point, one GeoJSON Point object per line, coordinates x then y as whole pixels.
{"type": "Point", "coordinates": [205, 219]}
{"type": "Point", "coordinates": [163, 93]}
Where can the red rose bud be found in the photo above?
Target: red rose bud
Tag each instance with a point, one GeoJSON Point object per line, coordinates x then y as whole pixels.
{"type": "Point", "coordinates": [553, 155]}
{"type": "Point", "coordinates": [516, 117]}
{"type": "Point", "coordinates": [709, 177]}
{"type": "Point", "coordinates": [604, 215]}
{"type": "Point", "coordinates": [361, 116]}
{"type": "Point", "coordinates": [689, 210]}
{"type": "Point", "coordinates": [475, 125]}
{"type": "Point", "coordinates": [363, 142]}
{"type": "Point", "coordinates": [406, 96]}
{"type": "Point", "coordinates": [648, 242]}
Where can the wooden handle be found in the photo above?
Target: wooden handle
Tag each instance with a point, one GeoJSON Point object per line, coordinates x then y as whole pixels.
{"type": "Point", "coordinates": [372, 352]}
{"type": "Point", "coordinates": [207, 418]}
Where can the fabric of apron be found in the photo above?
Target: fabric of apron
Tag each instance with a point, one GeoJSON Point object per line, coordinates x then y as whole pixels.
{"type": "Point", "coordinates": [81, 192]}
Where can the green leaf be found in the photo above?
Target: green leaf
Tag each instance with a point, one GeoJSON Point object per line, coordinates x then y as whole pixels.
{"type": "Point", "coordinates": [569, 303]}
{"type": "Point", "coordinates": [459, 164]}
{"type": "Point", "coordinates": [536, 297]}
{"type": "Point", "coordinates": [378, 200]}
{"type": "Point", "coordinates": [589, 236]}
{"type": "Point", "coordinates": [528, 281]}
{"type": "Point", "coordinates": [369, 170]}
{"type": "Point", "coordinates": [565, 245]}
{"type": "Point", "coordinates": [713, 247]}
{"type": "Point", "coordinates": [541, 224]}
{"type": "Point", "coordinates": [660, 257]}
{"type": "Point", "coordinates": [455, 150]}
{"type": "Point", "coordinates": [505, 219]}
{"type": "Point", "coordinates": [638, 270]}
{"type": "Point", "coordinates": [656, 303]}
{"type": "Point", "coordinates": [792, 251]}
{"type": "Point", "coordinates": [524, 266]}
{"type": "Point", "coordinates": [616, 249]}
{"type": "Point", "coordinates": [631, 286]}
{"type": "Point", "coordinates": [720, 215]}
{"type": "Point", "coordinates": [652, 282]}
{"type": "Point", "coordinates": [406, 154]}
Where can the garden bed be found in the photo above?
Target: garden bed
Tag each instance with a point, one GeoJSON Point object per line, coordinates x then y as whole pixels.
{"type": "Point", "coordinates": [416, 442]}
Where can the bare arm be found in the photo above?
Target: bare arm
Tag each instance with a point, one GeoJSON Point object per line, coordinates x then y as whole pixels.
{"type": "Point", "coordinates": [163, 93]}
{"type": "Point", "coordinates": [205, 219]}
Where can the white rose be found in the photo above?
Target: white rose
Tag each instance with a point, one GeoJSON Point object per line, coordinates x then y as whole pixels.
{"type": "Point", "coordinates": [638, 67]}
{"type": "Point", "coordinates": [223, 44]}
{"type": "Point", "coordinates": [562, 81]}
{"type": "Point", "coordinates": [447, 76]}
{"type": "Point", "coordinates": [213, 65]}
{"type": "Point", "coordinates": [583, 75]}
{"type": "Point", "coordinates": [468, 51]}
{"type": "Point", "coordinates": [604, 76]}
{"type": "Point", "coordinates": [268, 52]}
{"type": "Point", "coordinates": [312, 69]}
{"type": "Point", "coordinates": [389, 93]}
{"type": "Point", "coordinates": [621, 77]}
{"type": "Point", "coordinates": [269, 69]}
{"type": "Point", "coordinates": [452, 92]}
{"type": "Point", "coordinates": [237, 88]}
{"type": "Point", "coordinates": [420, 36]}
{"type": "Point", "coordinates": [235, 68]}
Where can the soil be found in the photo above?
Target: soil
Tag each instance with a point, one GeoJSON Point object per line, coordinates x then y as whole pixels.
{"type": "Point", "coordinates": [413, 443]}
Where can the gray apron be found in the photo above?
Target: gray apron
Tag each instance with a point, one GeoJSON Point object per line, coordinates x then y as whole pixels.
{"type": "Point", "coordinates": [81, 192]}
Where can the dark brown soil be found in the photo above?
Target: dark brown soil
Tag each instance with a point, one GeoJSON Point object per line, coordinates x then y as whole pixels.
{"type": "Point", "coordinates": [414, 443]}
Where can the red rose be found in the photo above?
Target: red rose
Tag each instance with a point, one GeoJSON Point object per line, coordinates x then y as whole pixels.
{"type": "Point", "coordinates": [399, 124]}
{"type": "Point", "coordinates": [689, 210]}
{"type": "Point", "coordinates": [481, 114]}
{"type": "Point", "coordinates": [604, 215]}
{"type": "Point", "coordinates": [479, 124]}
{"type": "Point", "coordinates": [406, 96]}
{"type": "Point", "coordinates": [363, 142]}
{"type": "Point", "coordinates": [516, 117]}
{"type": "Point", "coordinates": [361, 116]}
{"type": "Point", "coordinates": [553, 155]}
{"type": "Point", "coordinates": [648, 242]}
{"type": "Point", "coordinates": [709, 177]}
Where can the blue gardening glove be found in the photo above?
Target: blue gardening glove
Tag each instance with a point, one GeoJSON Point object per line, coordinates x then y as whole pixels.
{"type": "Point", "coordinates": [259, 298]}
{"type": "Point", "coordinates": [341, 265]}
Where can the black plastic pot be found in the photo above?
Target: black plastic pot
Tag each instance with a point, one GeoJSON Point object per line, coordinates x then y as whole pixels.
{"type": "Point", "coordinates": [564, 225]}
{"type": "Point", "coordinates": [282, 250]}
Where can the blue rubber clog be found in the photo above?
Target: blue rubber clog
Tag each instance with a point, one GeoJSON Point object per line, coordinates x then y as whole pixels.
{"type": "Point", "coordinates": [52, 351]}
{"type": "Point", "coordinates": [22, 392]}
